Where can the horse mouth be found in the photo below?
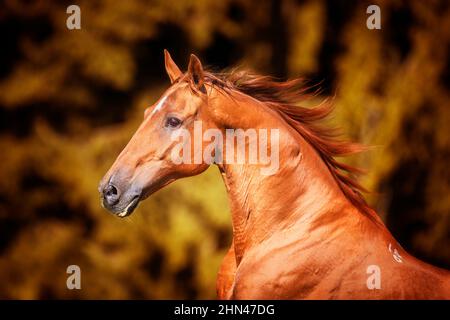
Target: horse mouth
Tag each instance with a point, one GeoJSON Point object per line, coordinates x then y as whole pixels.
{"type": "Point", "coordinates": [129, 208]}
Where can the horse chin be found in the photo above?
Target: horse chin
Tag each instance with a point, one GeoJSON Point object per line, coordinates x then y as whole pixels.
{"type": "Point", "coordinates": [129, 208]}
{"type": "Point", "coordinates": [132, 205]}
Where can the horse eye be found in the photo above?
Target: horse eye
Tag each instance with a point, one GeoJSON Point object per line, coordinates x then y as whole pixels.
{"type": "Point", "coordinates": [172, 122]}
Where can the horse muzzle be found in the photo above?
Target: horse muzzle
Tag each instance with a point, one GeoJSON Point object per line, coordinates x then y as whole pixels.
{"type": "Point", "coordinates": [119, 200]}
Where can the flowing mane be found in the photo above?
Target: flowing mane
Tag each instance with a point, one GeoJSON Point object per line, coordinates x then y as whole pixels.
{"type": "Point", "coordinates": [284, 97]}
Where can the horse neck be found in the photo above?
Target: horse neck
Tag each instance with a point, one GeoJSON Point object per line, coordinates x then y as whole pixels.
{"type": "Point", "coordinates": [301, 194]}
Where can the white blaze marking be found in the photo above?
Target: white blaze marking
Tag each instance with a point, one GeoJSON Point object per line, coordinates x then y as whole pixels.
{"type": "Point", "coordinates": [158, 106]}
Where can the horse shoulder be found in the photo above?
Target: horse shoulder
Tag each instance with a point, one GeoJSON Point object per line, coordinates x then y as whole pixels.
{"type": "Point", "coordinates": [278, 272]}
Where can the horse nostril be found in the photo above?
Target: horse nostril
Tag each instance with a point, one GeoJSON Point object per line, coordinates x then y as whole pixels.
{"type": "Point", "coordinates": [111, 195]}
{"type": "Point", "coordinates": [111, 191]}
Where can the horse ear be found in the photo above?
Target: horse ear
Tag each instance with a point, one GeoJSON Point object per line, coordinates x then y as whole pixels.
{"type": "Point", "coordinates": [195, 70]}
{"type": "Point", "coordinates": [171, 68]}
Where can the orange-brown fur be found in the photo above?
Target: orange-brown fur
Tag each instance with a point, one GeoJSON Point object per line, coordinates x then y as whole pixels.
{"type": "Point", "coordinates": [304, 232]}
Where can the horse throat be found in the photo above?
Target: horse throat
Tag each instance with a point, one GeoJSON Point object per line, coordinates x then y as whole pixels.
{"type": "Point", "coordinates": [300, 193]}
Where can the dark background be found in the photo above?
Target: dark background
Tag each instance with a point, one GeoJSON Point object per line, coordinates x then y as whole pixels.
{"type": "Point", "coordinates": [70, 100]}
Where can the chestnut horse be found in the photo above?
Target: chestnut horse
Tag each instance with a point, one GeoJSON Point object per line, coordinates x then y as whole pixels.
{"type": "Point", "coordinates": [302, 232]}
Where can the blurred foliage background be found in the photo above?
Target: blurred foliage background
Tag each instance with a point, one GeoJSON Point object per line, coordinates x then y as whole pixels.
{"type": "Point", "coordinates": [70, 101]}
